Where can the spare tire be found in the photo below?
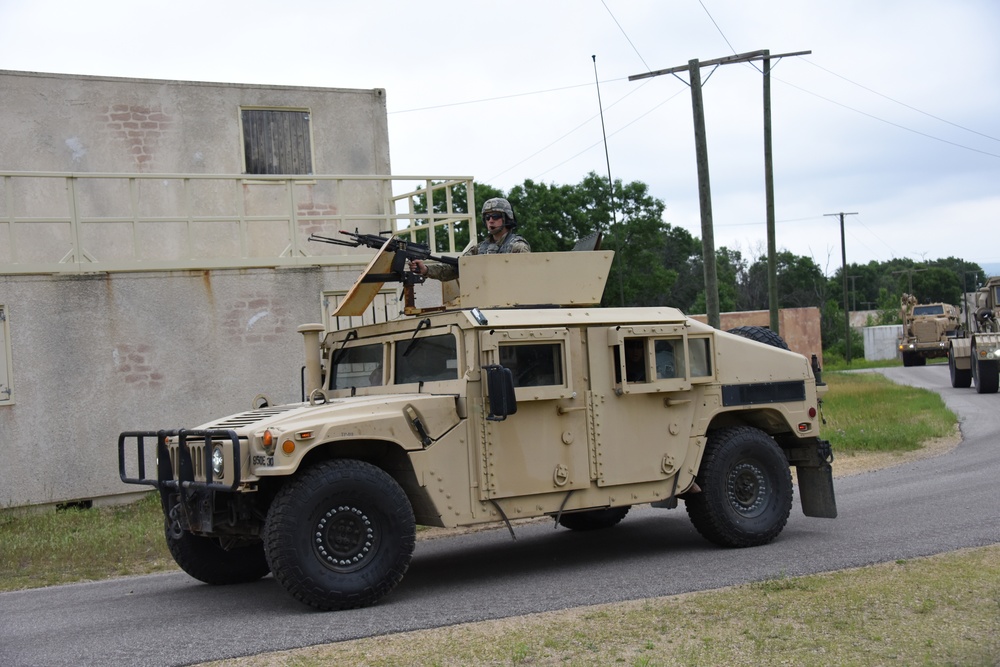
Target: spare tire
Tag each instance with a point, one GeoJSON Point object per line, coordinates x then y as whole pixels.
{"type": "Point", "coordinates": [761, 335]}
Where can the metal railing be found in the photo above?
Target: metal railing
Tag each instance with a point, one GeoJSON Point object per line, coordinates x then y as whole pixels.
{"type": "Point", "coordinates": [104, 222]}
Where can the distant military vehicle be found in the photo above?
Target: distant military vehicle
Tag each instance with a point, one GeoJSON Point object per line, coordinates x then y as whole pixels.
{"type": "Point", "coordinates": [975, 355]}
{"type": "Point", "coordinates": [527, 400]}
{"type": "Point", "coordinates": [927, 328]}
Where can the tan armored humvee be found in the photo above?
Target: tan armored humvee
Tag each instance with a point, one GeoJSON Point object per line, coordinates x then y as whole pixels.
{"type": "Point", "coordinates": [927, 328]}
{"type": "Point", "coordinates": [526, 401]}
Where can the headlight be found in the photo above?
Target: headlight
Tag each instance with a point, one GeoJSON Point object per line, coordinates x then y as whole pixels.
{"type": "Point", "coordinates": [218, 461]}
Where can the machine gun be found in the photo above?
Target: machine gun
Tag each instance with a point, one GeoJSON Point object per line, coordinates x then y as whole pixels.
{"type": "Point", "coordinates": [402, 252]}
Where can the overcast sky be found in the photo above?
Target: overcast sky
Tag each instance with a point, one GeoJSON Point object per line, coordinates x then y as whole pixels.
{"type": "Point", "coordinates": [895, 115]}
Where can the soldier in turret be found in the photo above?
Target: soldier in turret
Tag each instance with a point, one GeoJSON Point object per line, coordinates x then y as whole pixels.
{"type": "Point", "coordinates": [498, 216]}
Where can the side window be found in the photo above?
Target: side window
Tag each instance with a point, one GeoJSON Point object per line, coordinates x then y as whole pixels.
{"type": "Point", "coordinates": [359, 366]}
{"type": "Point", "coordinates": [669, 355]}
{"type": "Point", "coordinates": [6, 383]}
{"type": "Point", "coordinates": [534, 365]}
{"type": "Point", "coordinates": [426, 359]}
{"type": "Point", "coordinates": [701, 357]}
{"type": "Point", "coordinates": [276, 141]}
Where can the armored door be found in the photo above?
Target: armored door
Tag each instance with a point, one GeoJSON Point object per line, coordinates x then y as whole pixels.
{"type": "Point", "coordinates": [542, 448]}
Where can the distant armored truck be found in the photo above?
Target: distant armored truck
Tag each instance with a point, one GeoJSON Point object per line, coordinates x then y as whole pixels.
{"type": "Point", "coordinates": [927, 328]}
{"type": "Point", "coordinates": [525, 401]}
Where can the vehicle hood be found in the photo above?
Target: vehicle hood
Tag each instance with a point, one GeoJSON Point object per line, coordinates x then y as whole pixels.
{"type": "Point", "coordinates": [382, 416]}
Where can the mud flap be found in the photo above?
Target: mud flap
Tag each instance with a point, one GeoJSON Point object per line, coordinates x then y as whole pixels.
{"type": "Point", "coordinates": [816, 491]}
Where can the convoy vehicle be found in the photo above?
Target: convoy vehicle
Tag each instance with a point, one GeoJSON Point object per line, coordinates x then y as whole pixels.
{"type": "Point", "coordinates": [974, 356]}
{"type": "Point", "coordinates": [927, 328]}
{"type": "Point", "coordinates": [525, 400]}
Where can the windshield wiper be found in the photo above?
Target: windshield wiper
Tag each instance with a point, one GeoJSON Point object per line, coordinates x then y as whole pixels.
{"type": "Point", "coordinates": [424, 324]}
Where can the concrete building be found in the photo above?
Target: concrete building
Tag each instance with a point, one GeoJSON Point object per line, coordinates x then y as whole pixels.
{"type": "Point", "coordinates": [154, 261]}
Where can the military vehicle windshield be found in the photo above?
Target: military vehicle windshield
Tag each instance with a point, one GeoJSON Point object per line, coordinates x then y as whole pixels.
{"type": "Point", "coordinates": [936, 309]}
{"type": "Point", "coordinates": [358, 367]}
{"type": "Point", "coordinates": [436, 358]}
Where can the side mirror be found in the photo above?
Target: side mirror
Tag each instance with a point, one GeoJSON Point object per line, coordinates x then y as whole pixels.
{"type": "Point", "coordinates": [500, 391]}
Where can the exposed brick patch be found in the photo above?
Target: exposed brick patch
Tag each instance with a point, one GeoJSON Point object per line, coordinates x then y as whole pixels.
{"type": "Point", "coordinates": [134, 363]}
{"type": "Point", "coordinates": [258, 320]}
{"type": "Point", "coordinates": [139, 127]}
{"type": "Point", "coordinates": [307, 210]}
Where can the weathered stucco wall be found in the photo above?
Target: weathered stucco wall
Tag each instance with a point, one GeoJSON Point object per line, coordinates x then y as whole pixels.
{"type": "Point", "coordinates": [93, 354]}
{"type": "Point", "coordinates": [96, 355]}
{"type": "Point", "coordinates": [56, 122]}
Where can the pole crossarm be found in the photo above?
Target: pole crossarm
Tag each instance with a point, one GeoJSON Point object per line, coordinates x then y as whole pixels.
{"type": "Point", "coordinates": [739, 58]}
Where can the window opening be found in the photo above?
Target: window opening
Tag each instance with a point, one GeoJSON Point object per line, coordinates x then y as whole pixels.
{"type": "Point", "coordinates": [435, 359]}
{"type": "Point", "coordinates": [276, 141]}
{"type": "Point", "coordinates": [359, 366]}
{"type": "Point", "coordinates": [534, 365]}
{"type": "Point", "coordinates": [701, 359]}
{"type": "Point", "coordinates": [669, 355]}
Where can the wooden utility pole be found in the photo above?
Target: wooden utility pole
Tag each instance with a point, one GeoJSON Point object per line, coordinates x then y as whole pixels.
{"type": "Point", "coordinates": [847, 306]}
{"type": "Point", "coordinates": [710, 270]}
{"type": "Point", "coordinates": [704, 188]}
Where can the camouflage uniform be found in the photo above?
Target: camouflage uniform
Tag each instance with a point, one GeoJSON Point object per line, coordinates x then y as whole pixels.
{"type": "Point", "coordinates": [511, 242]}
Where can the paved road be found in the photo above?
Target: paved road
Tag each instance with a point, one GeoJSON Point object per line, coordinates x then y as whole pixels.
{"type": "Point", "coordinates": [917, 509]}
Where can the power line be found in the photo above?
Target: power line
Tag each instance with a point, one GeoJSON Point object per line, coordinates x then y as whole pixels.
{"type": "Point", "coordinates": [717, 27]}
{"type": "Point", "coordinates": [888, 122]}
{"type": "Point", "coordinates": [904, 104]}
{"type": "Point", "coordinates": [625, 34]}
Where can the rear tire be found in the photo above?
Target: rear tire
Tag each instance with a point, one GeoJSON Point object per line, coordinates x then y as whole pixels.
{"type": "Point", "coordinates": [746, 487]}
{"type": "Point", "coordinates": [594, 519]}
{"type": "Point", "coordinates": [961, 378]}
{"type": "Point", "coordinates": [340, 535]}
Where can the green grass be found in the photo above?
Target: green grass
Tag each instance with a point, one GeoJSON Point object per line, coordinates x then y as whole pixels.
{"type": "Point", "coordinates": [943, 610]}
{"type": "Point", "coordinates": [58, 547]}
{"type": "Point", "coordinates": [865, 412]}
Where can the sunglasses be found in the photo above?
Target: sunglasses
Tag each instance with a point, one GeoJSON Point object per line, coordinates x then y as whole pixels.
{"type": "Point", "coordinates": [493, 216]}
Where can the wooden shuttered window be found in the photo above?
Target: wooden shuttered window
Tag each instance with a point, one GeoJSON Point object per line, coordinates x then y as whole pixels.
{"type": "Point", "coordinates": [276, 141]}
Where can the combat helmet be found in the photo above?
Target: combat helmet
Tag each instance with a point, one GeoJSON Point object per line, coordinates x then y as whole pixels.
{"type": "Point", "coordinates": [500, 205]}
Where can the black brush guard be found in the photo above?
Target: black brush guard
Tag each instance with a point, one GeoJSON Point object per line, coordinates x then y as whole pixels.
{"type": "Point", "coordinates": [181, 479]}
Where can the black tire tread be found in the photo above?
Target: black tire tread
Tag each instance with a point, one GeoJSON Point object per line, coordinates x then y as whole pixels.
{"type": "Point", "coordinates": [761, 335]}
{"type": "Point", "coordinates": [286, 535]}
{"type": "Point", "coordinates": [709, 511]}
{"type": "Point", "coordinates": [594, 519]}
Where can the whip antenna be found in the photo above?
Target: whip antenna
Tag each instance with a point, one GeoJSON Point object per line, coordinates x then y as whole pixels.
{"type": "Point", "coordinates": [614, 215]}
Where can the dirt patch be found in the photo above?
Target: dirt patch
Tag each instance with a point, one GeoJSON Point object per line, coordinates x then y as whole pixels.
{"type": "Point", "coordinates": [853, 464]}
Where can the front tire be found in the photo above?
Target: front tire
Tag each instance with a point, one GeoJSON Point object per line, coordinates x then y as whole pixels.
{"type": "Point", "coordinates": [961, 378]}
{"type": "Point", "coordinates": [746, 487]}
{"type": "Point", "coordinates": [340, 535]}
{"type": "Point", "coordinates": [985, 373]}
